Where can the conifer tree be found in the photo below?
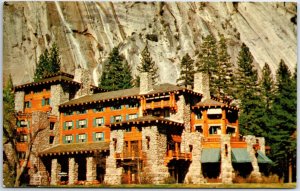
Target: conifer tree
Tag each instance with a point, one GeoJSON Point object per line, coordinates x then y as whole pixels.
{"type": "Point", "coordinates": [147, 65]}
{"type": "Point", "coordinates": [224, 80]}
{"type": "Point", "coordinates": [187, 71]}
{"type": "Point", "coordinates": [208, 60]}
{"type": "Point", "coordinates": [116, 72]}
{"type": "Point", "coordinates": [267, 86]}
{"type": "Point", "coordinates": [49, 63]}
{"type": "Point", "coordinates": [284, 121]}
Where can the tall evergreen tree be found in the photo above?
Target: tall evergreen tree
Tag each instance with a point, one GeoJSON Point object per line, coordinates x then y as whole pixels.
{"type": "Point", "coordinates": [187, 71]}
{"type": "Point", "coordinates": [116, 72]}
{"type": "Point", "coordinates": [208, 60]}
{"type": "Point", "coordinates": [248, 93]}
{"type": "Point", "coordinates": [49, 63]}
{"type": "Point", "coordinates": [147, 65]}
{"type": "Point", "coordinates": [267, 86]}
{"type": "Point", "coordinates": [284, 121]}
{"type": "Point", "coordinates": [224, 80]}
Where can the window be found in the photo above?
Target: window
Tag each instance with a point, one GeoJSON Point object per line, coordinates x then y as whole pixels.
{"type": "Point", "coordinates": [27, 104]}
{"type": "Point", "coordinates": [132, 116]}
{"type": "Point", "coordinates": [117, 118]}
{"type": "Point", "coordinates": [82, 123]}
{"type": "Point", "coordinates": [116, 107]}
{"type": "Point", "coordinates": [166, 113]}
{"type": "Point", "coordinates": [191, 148]}
{"type": "Point", "coordinates": [69, 112]}
{"type": "Point", "coordinates": [82, 138]}
{"type": "Point", "coordinates": [99, 136]}
{"type": "Point", "coordinates": [51, 139]}
{"type": "Point", "coordinates": [98, 122]}
{"type": "Point", "coordinates": [81, 111]}
{"type": "Point", "coordinates": [156, 113]}
{"type": "Point", "coordinates": [23, 123]}
{"type": "Point", "coordinates": [215, 130]}
{"type": "Point", "coordinates": [52, 125]}
{"type": "Point", "coordinates": [230, 130]}
{"type": "Point", "coordinates": [99, 109]}
{"type": "Point", "coordinates": [148, 142]}
{"type": "Point", "coordinates": [45, 101]}
{"type": "Point", "coordinates": [198, 115]}
{"type": "Point", "coordinates": [133, 104]}
{"type": "Point", "coordinates": [23, 138]}
{"type": "Point", "coordinates": [68, 138]}
{"type": "Point", "coordinates": [68, 125]}
{"type": "Point", "coordinates": [21, 155]}
{"type": "Point", "coordinates": [199, 128]}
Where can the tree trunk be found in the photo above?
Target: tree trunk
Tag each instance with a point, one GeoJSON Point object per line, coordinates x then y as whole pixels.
{"type": "Point", "coordinates": [290, 171]}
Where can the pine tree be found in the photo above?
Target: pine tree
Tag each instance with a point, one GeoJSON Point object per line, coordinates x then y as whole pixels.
{"type": "Point", "coordinates": [187, 71]}
{"type": "Point", "coordinates": [49, 63]}
{"type": "Point", "coordinates": [224, 80]}
{"type": "Point", "coordinates": [208, 60]}
{"type": "Point", "coordinates": [284, 121]}
{"type": "Point", "coordinates": [116, 73]}
{"type": "Point", "coordinates": [267, 86]}
{"type": "Point", "coordinates": [147, 65]}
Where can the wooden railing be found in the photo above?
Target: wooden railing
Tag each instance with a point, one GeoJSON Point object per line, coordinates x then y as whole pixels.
{"type": "Point", "coordinates": [178, 155]}
{"type": "Point", "coordinates": [158, 104]}
{"type": "Point", "coordinates": [211, 139]}
{"type": "Point", "coordinates": [237, 139]}
{"type": "Point", "coordinates": [130, 155]}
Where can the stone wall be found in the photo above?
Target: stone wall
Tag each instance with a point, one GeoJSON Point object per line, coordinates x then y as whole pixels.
{"type": "Point", "coordinates": [194, 174]}
{"type": "Point", "coordinates": [155, 153]}
{"type": "Point", "coordinates": [73, 171]}
{"type": "Point", "coordinates": [83, 76]}
{"type": "Point", "coordinates": [19, 101]}
{"type": "Point", "coordinates": [227, 171]}
{"type": "Point", "coordinates": [261, 142]}
{"type": "Point", "coordinates": [55, 169]}
{"type": "Point", "coordinates": [113, 174]}
{"type": "Point", "coordinates": [183, 114]}
{"type": "Point", "coordinates": [251, 140]}
{"type": "Point", "coordinates": [91, 171]}
{"type": "Point", "coordinates": [201, 84]}
{"type": "Point", "coordinates": [146, 83]}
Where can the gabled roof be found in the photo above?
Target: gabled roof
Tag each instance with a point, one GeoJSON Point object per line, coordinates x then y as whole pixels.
{"type": "Point", "coordinates": [51, 79]}
{"type": "Point", "coordinates": [208, 103]}
{"type": "Point", "coordinates": [146, 120]}
{"type": "Point", "coordinates": [74, 148]}
{"type": "Point", "coordinates": [125, 94]}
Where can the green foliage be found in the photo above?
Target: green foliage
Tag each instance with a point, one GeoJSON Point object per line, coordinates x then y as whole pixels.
{"type": "Point", "coordinates": [116, 73]}
{"type": "Point", "coordinates": [207, 62]}
{"type": "Point", "coordinates": [147, 65]}
{"type": "Point", "coordinates": [187, 71]}
{"type": "Point", "coordinates": [49, 63]}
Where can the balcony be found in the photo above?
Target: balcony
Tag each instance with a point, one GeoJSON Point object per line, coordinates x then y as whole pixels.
{"type": "Point", "coordinates": [130, 155]}
{"type": "Point", "coordinates": [158, 104]}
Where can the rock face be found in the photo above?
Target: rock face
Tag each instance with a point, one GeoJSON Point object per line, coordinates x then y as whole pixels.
{"type": "Point", "coordinates": [87, 31]}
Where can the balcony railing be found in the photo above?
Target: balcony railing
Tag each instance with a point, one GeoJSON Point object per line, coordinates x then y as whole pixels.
{"type": "Point", "coordinates": [130, 155]}
{"type": "Point", "coordinates": [160, 104]}
{"type": "Point", "coordinates": [178, 155]}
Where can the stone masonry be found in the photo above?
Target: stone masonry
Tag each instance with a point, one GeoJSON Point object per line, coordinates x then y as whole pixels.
{"type": "Point", "coordinates": [183, 114]}
{"type": "Point", "coordinates": [226, 162]}
{"type": "Point", "coordinates": [155, 153]}
{"type": "Point", "coordinates": [261, 142]}
{"type": "Point", "coordinates": [55, 169]}
{"type": "Point", "coordinates": [194, 174]}
{"type": "Point", "coordinates": [146, 83]}
{"type": "Point", "coordinates": [91, 169]}
{"type": "Point", "coordinates": [251, 140]}
{"type": "Point", "coordinates": [201, 84]}
{"type": "Point", "coordinates": [83, 76]}
{"type": "Point", "coordinates": [19, 101]}
{"type": "Point", "coordinates": [73, 171]}
{"type": "Point", "coordinates": [113, 174]}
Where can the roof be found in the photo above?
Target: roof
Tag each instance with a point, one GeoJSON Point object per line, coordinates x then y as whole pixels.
{"type": "Point", "coordinates": [147, 120]}
{"type": "Point", "coordinates": [212, 103]}
{"type": "Point", "coordinates": [58, 77]}
{"type": "Point", "coordinates": [75, 148]}
{"type": "Point", "coordinates": [125, 94]}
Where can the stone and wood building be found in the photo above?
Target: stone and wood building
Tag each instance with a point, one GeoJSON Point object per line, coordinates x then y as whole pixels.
{"type": "Point", "coordinates": [138, 135]}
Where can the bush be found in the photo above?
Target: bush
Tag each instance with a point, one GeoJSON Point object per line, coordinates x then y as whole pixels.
{"type": "Point", "coordinates": [170, 180]}
{"type": "Point", "coordinates": [264, 179]}
{"type": "Point", "coordinates": [146, 178]}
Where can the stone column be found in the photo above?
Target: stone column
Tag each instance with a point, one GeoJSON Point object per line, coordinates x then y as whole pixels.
{"type": "Point", "coordinates": [19, 101]}
{"type": "Point", "coordinates": [83, 76]}
{"type": "Point", "coordinates": [194, 174]}
{"type": "Point", "coordinates": [201, 84]}
{"type": "Point", "coordinates": [183, 114]}
{"type": "Point", "coordinates": [156, 152]}
{"type": "Point", "coordinates": [146, 83]}
{"type": "Point", "coordinates": [250, 140]}
{"type": "Point", "coordinates": [73, 171]}
{"type": "Point", "coordinates": [261, 142]}
{"type": "Point", "coordinates": [55, 169]}
{"type": "Point", "coordinates": [226, 165]}
{"type": "Point", "coordinates": [91, 171]}
{"type": "Point", "coordinates": [58, 96]}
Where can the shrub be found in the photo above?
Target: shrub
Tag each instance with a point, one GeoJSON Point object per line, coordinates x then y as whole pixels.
{"type": "Point", "coordinates": [170, 180]}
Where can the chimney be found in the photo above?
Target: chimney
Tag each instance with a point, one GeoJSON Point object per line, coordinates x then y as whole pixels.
{"type": "Point", "coordinates": [145, 83]}
{"type": "Point", "coordinates": [83, 76]}
{"type": "Point", "coordinates": [201, 84]}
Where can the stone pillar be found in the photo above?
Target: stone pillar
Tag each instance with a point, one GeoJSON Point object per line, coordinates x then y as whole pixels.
{"type": "Point", "coordinates": [73, 171]}
{"type": "Point", "coordinates": [201, 84]}
{"type": "Point", "coordinates": [183, 114]}
{"type": "Point", "coordinates": [194, 174]}
{"type": "Point", "coordinates": [83, 76]}
{"type": "Point", "coordinates": [91, 171]}
{"type": "Point", "coordinates": [58, 96]}
{"type": "Point", "coordinates": [226, 165]}
{"type": "Point", "coordinates": [155, 153]}
{"type": "Point", "coordinates": [250, 140]}
{"type": "Point", "coordinates": [146, 83]}
{"type": "Point", "coordinates": [55, 169]}
{"type": "Point", "coordinates": [113, 175]}
{"type": "Point", "coordinates": [19, 101]}
{"type": "Point", "coordinates": [261, 142]}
